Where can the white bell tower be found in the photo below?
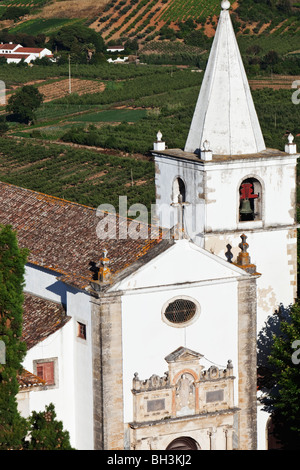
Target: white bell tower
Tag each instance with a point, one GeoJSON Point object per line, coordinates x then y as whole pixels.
{"type": "Point", "coordinates": [231, 184]}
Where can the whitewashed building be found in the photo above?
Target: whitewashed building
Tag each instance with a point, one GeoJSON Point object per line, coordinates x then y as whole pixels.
{"type": "Point", "coordinates": [149, 341]}
{"type": "Point", "coordinates": [14, 53]}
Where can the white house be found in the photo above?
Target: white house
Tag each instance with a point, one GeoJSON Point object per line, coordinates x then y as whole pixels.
{"type": "Point", "coordinates": [115, 48]}
{"type": "Point", "coordinates": [146, 338]}
{"type": "Point", "coordinates": [14, 53]}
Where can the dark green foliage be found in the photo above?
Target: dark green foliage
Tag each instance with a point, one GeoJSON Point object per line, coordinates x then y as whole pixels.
{"type": "Point", "coordinates": [75, 38]}
{"type": "Point", "coordinates": [14, 13]}
{"type": "Point", "coordinates": [26, 40]}
{"type": "Point", "coordinates": [46, 432]}
{"type": "Point", "coordinates": [23, 104]}
{"type": "Point", "coordinates": [283, 398]}
{"type": "Point", "coordinates": [12, 262]}
{"type": "Point", "coordinates": [3, 125]}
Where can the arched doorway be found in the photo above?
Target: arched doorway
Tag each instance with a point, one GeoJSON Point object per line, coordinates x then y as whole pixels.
{"type": "Point", "coordinates": [184, 443]}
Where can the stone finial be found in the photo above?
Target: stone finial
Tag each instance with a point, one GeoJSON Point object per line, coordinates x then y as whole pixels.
{"type": "Point", "coordinates": [159, 144]}
{"type": "Point", "coordinates": [290, 147]}
{"type": "Point", "coordinates": [104, 271]}
{"type": "Point", "coordinates": [225, 5]}
{"type": "Point", "coordinates": [243, 260]}
{"type": "Point", "coordinates": [206, 153]}
{"type": "Point", "coordinates": [228, 253]}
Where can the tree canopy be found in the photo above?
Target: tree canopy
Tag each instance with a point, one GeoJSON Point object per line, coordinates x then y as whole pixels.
{"type": "Point", "coordinates": [282, 399]}
{"type": "Point", "coordinates": [46, 432]}
{"type": "Point", "coordinates": [23, 104]}
{"type": "Point", "coordinates": [12, 262]}
{"type": "Point", "coordinates": [75, 38]}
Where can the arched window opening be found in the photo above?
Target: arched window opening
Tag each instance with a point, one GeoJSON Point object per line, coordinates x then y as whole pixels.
{"type": "Point", "coordinates": [184, 443]}
{"type": "Point", "coordinates": [250, 207]}
{"type": "Point", "coordinates": [179, 193]}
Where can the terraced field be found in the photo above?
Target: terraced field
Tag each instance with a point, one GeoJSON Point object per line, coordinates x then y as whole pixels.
{"type": "Point", "coordinates": [61, 88]}
{"type": "Point", "coordinates": [130, 17]}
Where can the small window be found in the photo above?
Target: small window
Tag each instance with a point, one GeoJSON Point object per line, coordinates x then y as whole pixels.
{"type": "Point", "coordinates": [81, 331]}
{"type": "Point", "coordinates": [45, 370]}
{"type": "Point", "coordinates": [180, 311]}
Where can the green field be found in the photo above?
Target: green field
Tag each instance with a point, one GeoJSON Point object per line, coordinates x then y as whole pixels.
{"type": "Point", "coordinates": [42, 26]}
{"type": "Point", "coordinates": [112, 115]}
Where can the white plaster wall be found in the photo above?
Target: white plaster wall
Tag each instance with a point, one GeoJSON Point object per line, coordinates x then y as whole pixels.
{"type": "Point", "coordinates": [213, 334]}
{"type": "Point", "coordinates": [79, 307]}
{"type": "Point", "coordinates": [268, 251]}
{"type": "Point", "coordinates": [60, 346]}
{"type": "Point", "coordinates": [73, 398]}
{"type": "Point", "coordinates": [223, 182]}
{"type": "Point", "coordinates": [262, 420]}
{"type": "Point", "coordinates": [44, 283]}
{"type": "Point", "coordinates": [167, 170]}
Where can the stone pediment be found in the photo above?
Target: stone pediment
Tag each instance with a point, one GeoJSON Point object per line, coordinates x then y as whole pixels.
{"type": "Point", "coordinates": [183, 354]}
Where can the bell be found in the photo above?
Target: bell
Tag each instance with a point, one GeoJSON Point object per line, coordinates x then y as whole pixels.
{"type": "Point", "coordinates": [246, 207]}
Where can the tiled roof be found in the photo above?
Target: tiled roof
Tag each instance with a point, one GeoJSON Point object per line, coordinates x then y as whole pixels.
{"type": "Point", "coordinates": [14, 56]}
{"type": "Point", "coordinates": [8, 47]}
{"type": "Point", "coordinates": [61, 235]}
{"type": "Point", "coordinates": [41, 318]}
{"type": "Point", "coordinates": [27, 380]}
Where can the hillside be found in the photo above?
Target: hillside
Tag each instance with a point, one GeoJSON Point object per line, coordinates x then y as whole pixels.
{"type": "Point", "coordinates": [154, 19]}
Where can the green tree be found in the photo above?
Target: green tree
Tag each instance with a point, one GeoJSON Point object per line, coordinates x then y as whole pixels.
{"type": "Point", "coordinates": [283, 397]}
{"type": "Point", "coordinates": [75, 38]}
{"type": "Point", "coordinates": [12, 262]}
{"type": "Point", "coordinates": [46, 432]}
{"type": "Point", "coordinates": [23, 104]}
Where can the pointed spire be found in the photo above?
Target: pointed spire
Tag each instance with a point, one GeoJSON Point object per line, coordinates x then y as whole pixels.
{"type": "Point", "coordinates": [225, 114]}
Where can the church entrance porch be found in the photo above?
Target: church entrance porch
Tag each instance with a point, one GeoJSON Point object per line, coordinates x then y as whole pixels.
{"type": "Point", "coordinates": [189, 408]}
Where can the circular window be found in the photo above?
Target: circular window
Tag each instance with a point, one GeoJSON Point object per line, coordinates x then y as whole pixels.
{"type": "Point", "coordinates": [180, 311]}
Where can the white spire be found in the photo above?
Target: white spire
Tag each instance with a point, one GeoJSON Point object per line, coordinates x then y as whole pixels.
{"type": "Point", "coordinates": [225, 113]}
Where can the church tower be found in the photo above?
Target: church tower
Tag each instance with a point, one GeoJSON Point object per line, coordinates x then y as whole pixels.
{"type": "Point", "coordinates": [226, 183]}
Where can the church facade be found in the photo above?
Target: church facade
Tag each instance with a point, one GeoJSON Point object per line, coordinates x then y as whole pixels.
{"type": "Point", "coordinates": [150, 343]}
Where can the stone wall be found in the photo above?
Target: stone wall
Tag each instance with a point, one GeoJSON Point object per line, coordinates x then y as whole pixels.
{"type": "Point", "coordinates": [247, 377]}
{"type": "Point", "coordinates": [107, 373]}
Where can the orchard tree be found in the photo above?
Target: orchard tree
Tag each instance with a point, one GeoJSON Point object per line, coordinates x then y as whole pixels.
{"type": "Point", "coordinates": [12, 268]}
{"type": "Point", "coordinates": [23, 104]}
{"type": "Point", "coordinates": [283, 397]}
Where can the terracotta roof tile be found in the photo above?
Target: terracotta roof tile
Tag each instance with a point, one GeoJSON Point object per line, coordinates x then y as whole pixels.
{"type": "Point", "coordinates": [61, 235]}
{"type": "Point", "coordinates": [9, 46]}
{"type": "Point", "coordinates": [41, 318]}
{"type": "Point", "coordinates": [28, 380]}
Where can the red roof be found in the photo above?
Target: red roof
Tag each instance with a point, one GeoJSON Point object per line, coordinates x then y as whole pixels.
{"type": "Point", "coordinates": [30, 50]}
{"type": "Point", "coordinates": [15, 56]}
{"type": "Point", "coordinates": [9, 46]}
{"type": "Point", "coordinates": [61, 235]}
{"type": "Point", "coordinates": [28, 380]}
{"type": "Point", "coordinates": [41, 318]}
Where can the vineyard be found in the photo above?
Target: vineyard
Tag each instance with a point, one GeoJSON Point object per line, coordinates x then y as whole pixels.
{"type": "Point", "coordinates": [145, 17]}
{"type": "Point", "coordinates": [82, 176]}
{"type": "Point", "coordinates": [61, 88]}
